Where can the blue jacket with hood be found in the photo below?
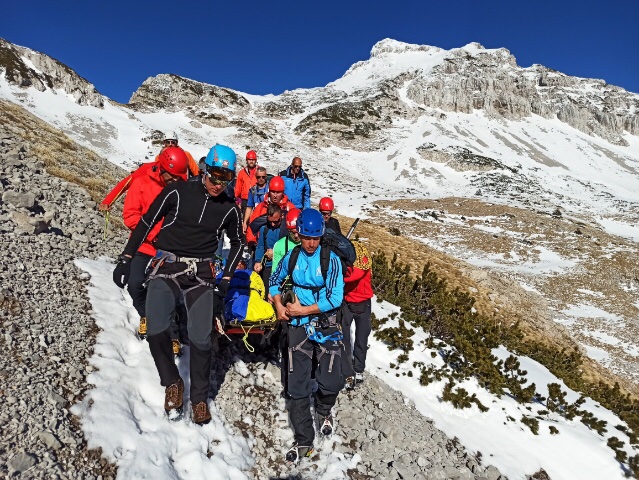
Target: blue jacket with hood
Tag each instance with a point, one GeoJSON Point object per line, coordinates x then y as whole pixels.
{"type": "Point", "coordinates": [297, 188]}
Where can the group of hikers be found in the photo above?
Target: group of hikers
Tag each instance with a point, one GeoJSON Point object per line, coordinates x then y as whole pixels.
{"type": "Point", "coordinates": [288, 257]}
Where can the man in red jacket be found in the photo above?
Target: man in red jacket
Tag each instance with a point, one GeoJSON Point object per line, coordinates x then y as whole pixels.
{"type": "Point", "coordinates": [356, 306]}
{"type": "Point", "coordinates": [245, 180]}
{"type": "Point", "coordinates": [172, 165]}
{"type": "Point", "coordinates": [170, 140]}
{"type": "Point", "coordinates": [275, 195]}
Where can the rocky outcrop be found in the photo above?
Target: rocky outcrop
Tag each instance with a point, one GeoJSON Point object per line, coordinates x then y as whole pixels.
{"type": "Point", "coordinates": [491, 80]}
{"type": "Point", "coordinates": [173, 93]}
{"type": "Point", "coordinates": [27, 68]}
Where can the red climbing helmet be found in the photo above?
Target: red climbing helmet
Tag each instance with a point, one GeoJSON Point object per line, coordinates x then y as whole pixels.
{"type": "Point", "coordinates": [173, 160]}
{"type": "Point", "coordinates": [291, 218]}
{"type": "Point", "coordinates": [276, 185]}
{"type": "Point", "coordinates": [251, 155]}
{"type": "Point", "coordinates": [326, 205]}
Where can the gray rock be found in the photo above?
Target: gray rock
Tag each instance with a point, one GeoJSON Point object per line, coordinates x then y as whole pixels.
{"type": "Point", "coordinates": [22, 461]}
{"type": "Point", "coordinates": [19, 199]}
{"type": "Point", "coordinates": [50, 440]}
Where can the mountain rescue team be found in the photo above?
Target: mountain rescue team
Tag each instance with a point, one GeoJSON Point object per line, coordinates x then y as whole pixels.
{"type": "Point", "coordinates": [170, 260]}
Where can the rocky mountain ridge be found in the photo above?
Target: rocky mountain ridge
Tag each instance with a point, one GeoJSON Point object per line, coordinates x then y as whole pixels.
{"type": "Point", "coordinates": [25, 68]}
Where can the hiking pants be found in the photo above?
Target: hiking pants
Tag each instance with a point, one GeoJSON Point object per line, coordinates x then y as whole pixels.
{"type": "Point", "coordinates": [361, 313]}
{"type": "Point", "coordinates": [328, 373]}
{"type": "Point", "coordinates": [162, 299]}
{"type": "Point", "coordinates": [137, 277]}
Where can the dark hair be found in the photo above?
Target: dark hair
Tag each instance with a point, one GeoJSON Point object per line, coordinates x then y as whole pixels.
{"type": "Point", "coordinates": [272, 209]}
{"type": "Point", "coordinates": [261, 169]}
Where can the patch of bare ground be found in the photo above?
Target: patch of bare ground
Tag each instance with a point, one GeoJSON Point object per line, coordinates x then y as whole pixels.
{"type": "Point", "coordinates": [580, 283]}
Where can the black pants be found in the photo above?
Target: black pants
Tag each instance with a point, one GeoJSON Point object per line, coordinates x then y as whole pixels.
{"type": "Point", "coordinates": [137, 277]}
{"type": "Point", "coordinates": [329, 377]}
{"type": "Point", "coordinates": [266, 274]}
{"type": "Point", "coordinates": [361, 313]}
{"type": "Point", "coordinates": [162, 299]}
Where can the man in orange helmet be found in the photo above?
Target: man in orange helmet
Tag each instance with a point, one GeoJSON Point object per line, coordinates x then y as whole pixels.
{"type": "Point", "coordinates": [171, 166]}
{"type": "Point", "coordinates": [245, 180]}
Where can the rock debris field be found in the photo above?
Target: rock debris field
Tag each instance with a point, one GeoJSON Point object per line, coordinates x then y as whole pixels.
{"type": "Point", "coordinates": [47, 335]}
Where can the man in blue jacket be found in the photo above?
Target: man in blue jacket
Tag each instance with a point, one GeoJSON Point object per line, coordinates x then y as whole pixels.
{"type": "Point", "coordinates": [318, 286]}
{"type": "Point", "coordinates": [267, 237]}
{"type": "Point", "coordinates": [297, 186]}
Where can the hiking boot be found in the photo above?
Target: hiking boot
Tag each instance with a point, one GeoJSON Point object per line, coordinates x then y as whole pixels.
{"type": "Point", "coordinates": [173, 397]}
{"type": "Point", "coordinates": [142, 329]}
{"type": "Point", "coordinates": [349, 383]}
{"type": "Point", "coordinates": [326, 427]}
{"type": "Point", "coordinates": [201, 414]}
{"type": "Point", "coordinates": [359, 377]}
{"type": "Point", "coordinates": [177, 348]}
{"type": "Point", "coordinates": [297, 452]}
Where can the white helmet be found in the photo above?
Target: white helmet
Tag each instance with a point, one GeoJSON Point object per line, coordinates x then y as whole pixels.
{"type": "Point", "coordinates": [170, 135]}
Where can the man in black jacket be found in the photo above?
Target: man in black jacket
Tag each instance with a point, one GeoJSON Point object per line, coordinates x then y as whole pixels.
{"type": "Point", "coordinates": [194, 216]}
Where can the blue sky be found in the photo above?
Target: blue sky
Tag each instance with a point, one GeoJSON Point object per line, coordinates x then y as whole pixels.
{"type": "Point", "coordinates": [264, 47]}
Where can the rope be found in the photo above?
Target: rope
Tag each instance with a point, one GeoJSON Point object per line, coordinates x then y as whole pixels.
{"type": "Point", "coordinates": [248, 346]}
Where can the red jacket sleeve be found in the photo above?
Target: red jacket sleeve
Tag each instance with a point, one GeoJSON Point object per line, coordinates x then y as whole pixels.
{"type": "Point", "coordinates": [239, 184]}
{"type": "Point", "coordinates": [122, 186]}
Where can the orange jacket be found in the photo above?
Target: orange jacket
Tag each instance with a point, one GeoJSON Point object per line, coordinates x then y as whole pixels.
{"type": "Point", "coordinates": [142, 191]}
{"type": "Point", "coordinates": [245, 180]}
{"type": "Point", "coordinates": [124, 184]}
{"type": "Point", "coordinates": [260, 209]}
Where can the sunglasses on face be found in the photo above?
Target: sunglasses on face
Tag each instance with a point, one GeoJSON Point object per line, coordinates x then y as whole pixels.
{"type": "Point", "coordinates": [277, 220]}
{"type": "Point", "coordinates": [326, 214]}
{"type": "Point", "coordinates": [170, 142]}
{"type": "Point", "coordinates": [260, 177]}
{"type": "Point", "coordinates": [219, 176]}
{"type": "Point", "coordinates": [297, 166]}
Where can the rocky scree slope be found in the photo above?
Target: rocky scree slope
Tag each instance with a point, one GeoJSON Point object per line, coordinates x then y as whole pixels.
{"type": "Point", "coordinates": [45, 317]}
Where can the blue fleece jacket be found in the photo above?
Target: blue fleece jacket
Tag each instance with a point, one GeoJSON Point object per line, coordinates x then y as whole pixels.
{"type": "Point", "coordinates": [308, 272]}
{"type": "Point", "coordinates": [268, 236]}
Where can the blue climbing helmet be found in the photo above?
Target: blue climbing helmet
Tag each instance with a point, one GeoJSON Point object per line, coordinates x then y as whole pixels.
{"type": "Point", "coordinates": [220, 163]}
{"type": "Point", "coordinates": [310, 223]}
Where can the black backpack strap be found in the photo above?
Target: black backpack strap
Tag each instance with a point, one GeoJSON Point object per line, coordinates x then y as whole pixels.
{"type": "Point", "coordinates": [286, 245]}
{"type": "Point", "coordinates": [292, 261]}
{"type": "Point", "coordinates": [325, 259]}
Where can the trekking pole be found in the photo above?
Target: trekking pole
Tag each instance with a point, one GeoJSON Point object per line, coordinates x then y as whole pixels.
{"type": "Point", "coordinates": [350, 231]}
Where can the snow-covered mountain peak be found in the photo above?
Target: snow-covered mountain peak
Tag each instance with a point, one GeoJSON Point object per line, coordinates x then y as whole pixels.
{"type": "Point", "coordinates": [25, 68]}
{"type": "Point", "coordinates": [388, 45]}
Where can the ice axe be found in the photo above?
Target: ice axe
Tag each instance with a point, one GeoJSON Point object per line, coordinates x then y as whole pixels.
{"type": "Point", "coordinates": [352, 229]}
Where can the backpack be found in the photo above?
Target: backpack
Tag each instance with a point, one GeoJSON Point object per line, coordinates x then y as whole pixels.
{"type": "Point", "coordinates": [331, 241]}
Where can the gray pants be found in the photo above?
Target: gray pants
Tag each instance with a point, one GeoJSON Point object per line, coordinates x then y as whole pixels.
{"type": "Point", "coordinates": [162, 299]}
{"type": "Point", "coordinates": [328, 374]}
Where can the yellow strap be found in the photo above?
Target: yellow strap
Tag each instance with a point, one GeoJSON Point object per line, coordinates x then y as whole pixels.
{"type": "Point", "coordinates": [248, 346]}
{"type": "Point", "coordinates": [106, 225]}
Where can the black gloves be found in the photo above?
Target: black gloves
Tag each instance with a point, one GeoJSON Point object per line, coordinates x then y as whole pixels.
{"type": "Point", "coordinates": [122, 271]}
{"type": "Point", "coordinates": [222, 288]}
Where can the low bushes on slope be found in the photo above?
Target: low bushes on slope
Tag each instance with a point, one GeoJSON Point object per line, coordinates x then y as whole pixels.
{"type": "Point", "coordinates": [464, 339]}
